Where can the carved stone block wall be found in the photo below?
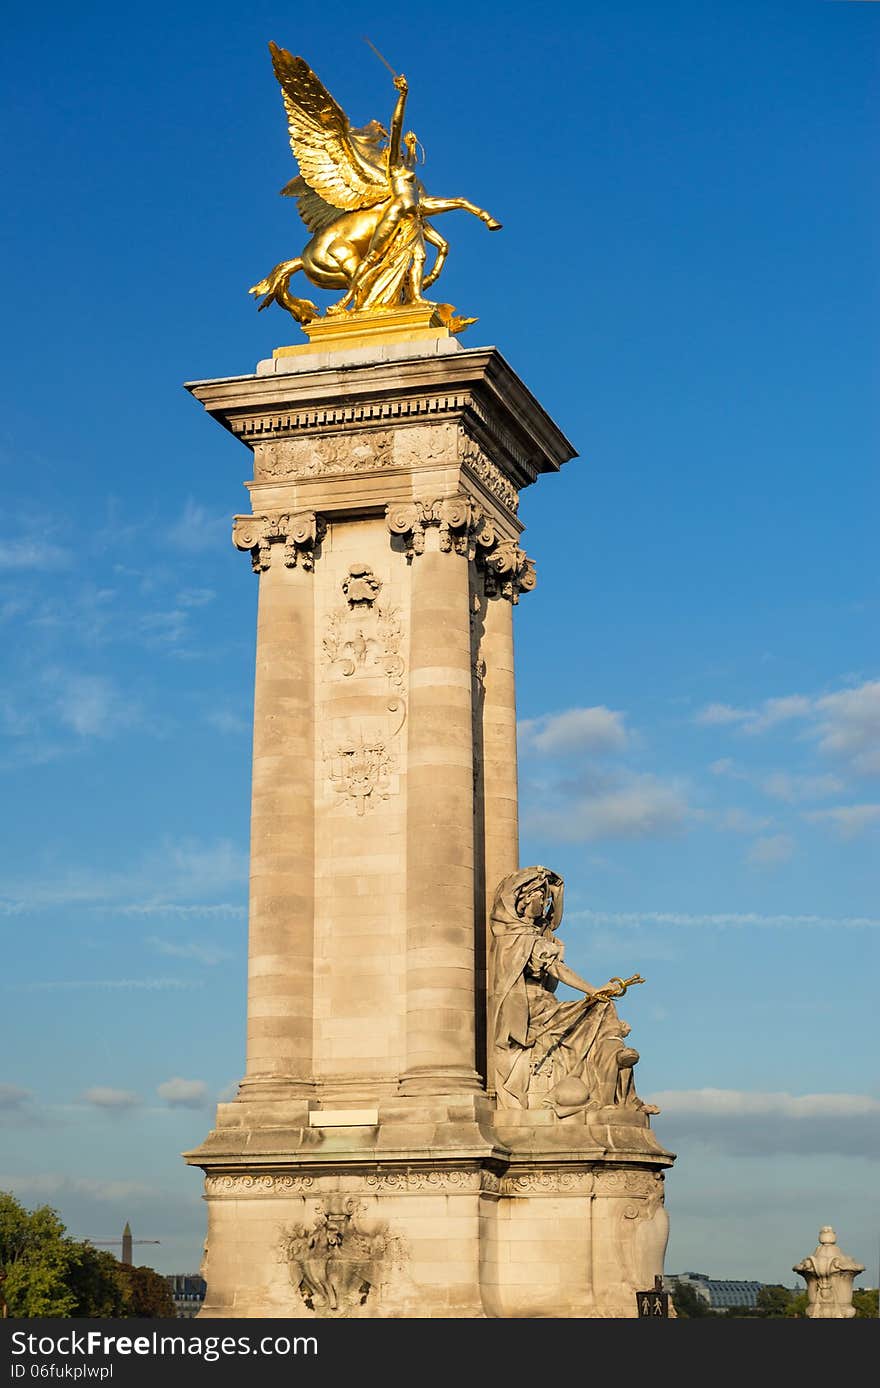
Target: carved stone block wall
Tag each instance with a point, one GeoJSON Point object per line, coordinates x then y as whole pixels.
{"type": "Point", "coordinates": [430, 1242]}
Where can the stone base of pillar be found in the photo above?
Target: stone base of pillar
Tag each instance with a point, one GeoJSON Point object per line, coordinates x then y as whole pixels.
{"type": "Point", "coordinates": [439, 1208]}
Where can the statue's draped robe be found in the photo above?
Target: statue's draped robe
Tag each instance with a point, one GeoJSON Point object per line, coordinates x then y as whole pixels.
{"type": "Point", "coordinates": [529, 1028]}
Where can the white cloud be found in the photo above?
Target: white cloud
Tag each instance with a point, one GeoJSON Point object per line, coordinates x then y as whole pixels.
{"type": "Point", "coordinates": [33, 554]}
{"type": "Point", "coordinates": [641, 808]}
{"type": "Point", "coordinates": [148, 985]}
{"type": "Point", "coordinates": [724, 766]}
{"type": "Point", "coordinates": [714, 715]}
{"type": "Point", "coordinates": [770, 850]}
{"type": "Point", "coordinates": [180, 1093]}
{"type": "Point", "coordinates": [114, 1100]}
{"type": "Point", "coordinates": [165, 628]}
{"type": "Point", "coordinates": [846, 724]}
{"type": "Point", "coordinates": [188, 868]}
{"type": "Point", "coordinates": [734, 1103]}
{"type": "Point", "coordinates": [196, 597]}
{"type": "Point", "coordinates": [774, 711]}
{"type": "Point", "coordinates": [591, 730]}
{"type": "Point", "coordinates": [208, 867]}
{"type": "Point", "coordinates": [196, 910]}
{"type": "Point", "coordinates": [203, 952]}
{"type": "Point", "coordinates": [92, 706]}
{"type": "Point", "coordinates": [198, 529]}
{"type": "Point", "coordinates": [735, 820]}
{"type": "Point", "coordinates": [795, 790]}
{"type": "Point", "coordinates": [48, 1184]}
{"type": "Point", "coordinates": [226, 721]}
{"type": "Point", "coordinates": [849, 726]}
{"type": "Point", "coordinates": [725, 919]}
{"type": "Point", "coordinates": [13, 1098]}
{"type": "Point", "coordinates": [759, 1124]}
{"type": "Point", "coordinates": [849, 820]}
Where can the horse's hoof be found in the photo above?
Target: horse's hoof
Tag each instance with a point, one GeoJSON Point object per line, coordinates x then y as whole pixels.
{"type": "Point", "coordinates": [493, 225]}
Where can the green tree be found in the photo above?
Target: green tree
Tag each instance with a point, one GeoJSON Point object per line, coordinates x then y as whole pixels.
{"type": "Point", "coordinates": [36, 1256]}
{"type": "Point", "coordinates": [50, 1274]}
{"type": "Point", "coordinates": [688, 1303]}
{"type": "Point", "coordinates": [147, 1293]}
{"type": "Point", "coordinates": [774, 1300]}
{"type": "Point", "coordinates": [865, 1303]}
{"type": "Point", "coordinates": [96, 1282]}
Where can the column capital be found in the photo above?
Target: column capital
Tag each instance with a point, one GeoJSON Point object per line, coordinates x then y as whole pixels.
{"type": "Point", "coordinates": [509, 571]}
{"type": "Point", "coordinates": [297, 534]}
{"type": "Point", "coordinates": [466, 529]}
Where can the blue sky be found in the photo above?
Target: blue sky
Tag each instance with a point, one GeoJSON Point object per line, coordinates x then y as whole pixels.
{"type": "Point", "coordinates": [687, 281]}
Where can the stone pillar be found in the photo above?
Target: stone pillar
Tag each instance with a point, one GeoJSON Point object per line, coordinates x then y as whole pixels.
{"type": "Point", "coordinates": [499, 768]}
{"type": "Point", "coordinates": [497, 809]}
{"type": "Point", "coordinates": [385, 532]}
{"type": "Point", "coordinates": [440, 1045]}
{"type": "Point", "coordinates": [281, 917]}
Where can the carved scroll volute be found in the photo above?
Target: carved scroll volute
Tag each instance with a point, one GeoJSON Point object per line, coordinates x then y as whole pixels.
{"type": "Point", "coordinates": [250, 533]}
{"type": "Point", "coordinates": [509, 571]}
{"type": "Point", "coordinates": [298, 534]}
{"type": "Point", "coordinates": [408, 520]}
{"type": "Point", "coordinates": [458, 518]}
{"type": "Point", "coordinates": [300, 538]}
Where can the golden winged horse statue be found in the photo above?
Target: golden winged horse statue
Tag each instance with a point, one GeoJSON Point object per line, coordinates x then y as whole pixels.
{"type": "Point", "coordinates": [358, 194]}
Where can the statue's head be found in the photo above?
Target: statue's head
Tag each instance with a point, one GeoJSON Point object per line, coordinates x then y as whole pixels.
{"type": "Point", "coordinates": [533, 898]}
{"type": "Point", "coordinates": [412, 144]}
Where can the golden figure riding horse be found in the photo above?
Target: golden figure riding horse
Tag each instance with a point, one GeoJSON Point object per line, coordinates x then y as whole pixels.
{"type": "Point", "coordinates": [359, 196]}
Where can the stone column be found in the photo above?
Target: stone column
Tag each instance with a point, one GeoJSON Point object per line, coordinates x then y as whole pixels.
{"type": "Point", "coordinates": [440, 1034]}
{"type": "Point", "coordinates": [281, 943]}
{"type": "Point", "coordinates": [499, 746]}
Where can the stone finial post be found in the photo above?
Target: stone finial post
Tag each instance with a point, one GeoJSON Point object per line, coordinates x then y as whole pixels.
{"type": "Point", "coordinates": [829, 1274]}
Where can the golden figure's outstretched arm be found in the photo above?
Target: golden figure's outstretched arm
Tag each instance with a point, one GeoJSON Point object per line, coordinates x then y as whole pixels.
{"type": "Point", "coordinates": [397, 121]}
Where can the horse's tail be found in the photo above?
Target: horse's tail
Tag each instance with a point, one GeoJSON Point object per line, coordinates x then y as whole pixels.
{"type": "Point", "coordinates": [276, 288]}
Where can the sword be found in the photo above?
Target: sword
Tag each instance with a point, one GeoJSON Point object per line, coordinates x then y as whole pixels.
{"type": "Point", "coordinates": [379, 55]}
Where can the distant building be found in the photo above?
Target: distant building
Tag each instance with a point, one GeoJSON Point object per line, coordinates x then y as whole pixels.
{"type": "Point", "coordinates": [187, 1291]}
{"type": "Point", "coordinates": [720, 1294]}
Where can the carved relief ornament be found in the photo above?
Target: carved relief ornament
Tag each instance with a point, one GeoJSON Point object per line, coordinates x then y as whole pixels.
{"type": "Point", "coordinates": [324, 456]}
{"type": "Point", "coordinates": [297, 534]}
{"type": "Point", "coordinates": [489, 473]}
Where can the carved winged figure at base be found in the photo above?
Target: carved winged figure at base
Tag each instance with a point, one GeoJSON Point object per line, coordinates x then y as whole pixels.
{"type": "Point", "coordinates": [358, 193]}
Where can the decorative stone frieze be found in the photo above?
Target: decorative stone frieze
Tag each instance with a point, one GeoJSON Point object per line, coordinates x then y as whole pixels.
{"type": "Point", "coordinates": [472, 457]}
{"type": "Point", "coordinates": [320, 456]}
{"type": "Point", "coordinates": [261, 1184]}
{"type": "Point", "coordinates": [299, 535]}
{"type": "Point", "coordinates": [549, 1183]}
{"type": "Point", "coordinates": [425, 1181]}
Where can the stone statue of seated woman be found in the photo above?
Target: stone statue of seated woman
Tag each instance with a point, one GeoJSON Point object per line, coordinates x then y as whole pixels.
{"type": "Point", "coordinates": [567, 1056]}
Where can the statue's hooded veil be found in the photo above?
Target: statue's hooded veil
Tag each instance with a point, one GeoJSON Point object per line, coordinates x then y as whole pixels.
{"type": "Point", "coordinates": [512, 943]}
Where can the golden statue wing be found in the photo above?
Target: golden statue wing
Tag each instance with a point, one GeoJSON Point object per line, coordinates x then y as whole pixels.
{"type": "Point", "coordinates": [315, 212]}
{"type": "Point", "coordinates": [331, 164]}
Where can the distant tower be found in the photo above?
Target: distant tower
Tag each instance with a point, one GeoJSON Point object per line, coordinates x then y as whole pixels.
{"type": "Point", "coordinates": [126, 1245]}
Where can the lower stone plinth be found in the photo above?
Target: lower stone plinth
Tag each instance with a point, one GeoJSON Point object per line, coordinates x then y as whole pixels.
{"type": "Point", "coordinates": [440, 1208]}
